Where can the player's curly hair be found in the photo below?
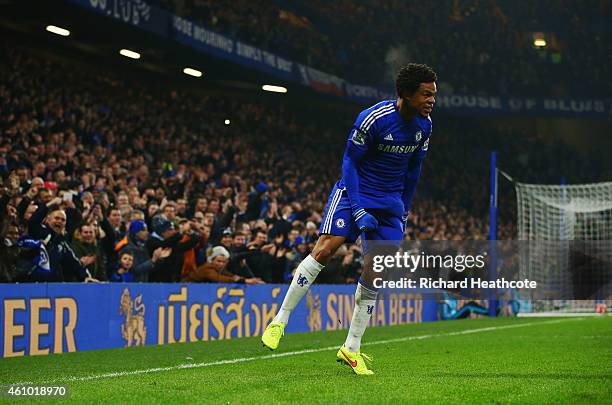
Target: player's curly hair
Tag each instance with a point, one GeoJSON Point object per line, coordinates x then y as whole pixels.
{"type": "Point", "coordinates": [411, 76]}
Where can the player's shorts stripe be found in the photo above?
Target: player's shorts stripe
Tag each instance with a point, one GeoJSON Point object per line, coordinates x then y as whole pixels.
{"type": "Point", "coordinates": [383, 113]}
{"type": "Point", "coordinates": [330, 212]}
{"type": "Point", "coordinates": [374, 115]}
{"type": "Point", "coordinates": [332, 209]}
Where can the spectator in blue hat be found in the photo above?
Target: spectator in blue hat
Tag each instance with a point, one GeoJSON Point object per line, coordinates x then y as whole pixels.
{"type": "Point", "coordinates": [134, 243]}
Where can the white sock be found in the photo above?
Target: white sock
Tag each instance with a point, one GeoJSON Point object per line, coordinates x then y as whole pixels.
{"type": "Point", "coordinates": [305, 274]}
{"type": "Point", "coordinates": [365, 300]}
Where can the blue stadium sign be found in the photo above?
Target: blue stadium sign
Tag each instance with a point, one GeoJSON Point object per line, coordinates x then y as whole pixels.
{"type": "Point", "coordinates": [40, 319]}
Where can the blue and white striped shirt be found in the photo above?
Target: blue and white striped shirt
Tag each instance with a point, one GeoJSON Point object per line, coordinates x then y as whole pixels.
{"type": "Point", "coordinates": [383, 156]}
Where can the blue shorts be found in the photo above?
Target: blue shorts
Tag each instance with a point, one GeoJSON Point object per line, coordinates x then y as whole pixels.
{"type": "Point", "coordinates": [338, 220]}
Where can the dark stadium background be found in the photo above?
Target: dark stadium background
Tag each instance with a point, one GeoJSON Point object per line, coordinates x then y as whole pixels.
{"type": "Point", "coordinates": [452, 198]}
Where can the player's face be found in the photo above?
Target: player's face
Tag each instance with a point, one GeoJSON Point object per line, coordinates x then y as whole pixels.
{"type": "Point", "coordinates": [424, 98]}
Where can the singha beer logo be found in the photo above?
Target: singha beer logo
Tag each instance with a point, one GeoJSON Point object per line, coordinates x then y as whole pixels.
{"type": "Point", "coordinates": [313, 303]}
{"type": "Point", "coordinates": [133, 330]}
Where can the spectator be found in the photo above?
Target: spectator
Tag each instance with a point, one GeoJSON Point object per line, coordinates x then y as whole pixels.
{"type": "Point", "coordinates": [199, 207]}
{"type": "Point", "coordinates": [9, 235]}
{"type": "Point", "coordinates": [165, 236]}
{"type": "Point", "coordinates": [135, 244]}
{"type": "Point", "coordinates": [48, 224]}
{"type": "Point", "coordinates": [77, 142]}
{"type": "Point", "coordinates": [191, 255]}
{"type": "Point", "coordinates": [215, 270]}
{"type": "Point", "coordinates": [258, 202]}
{"type": "Point", "coordinates": [124, 272]}
{"type": "Point", "coordinates": [238, 253]}
{"type": "Point", "coordinates": [113, 233]}
{"type": "Point", "coordinates": [89, 252]}
{"type": "Point", "coordinates": [261, 262]}
{"type": "Point", "coordinates": [169, 212]}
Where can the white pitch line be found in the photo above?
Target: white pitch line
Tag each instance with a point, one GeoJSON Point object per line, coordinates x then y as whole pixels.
{"type": "Point", "coordinates": [285, 354]}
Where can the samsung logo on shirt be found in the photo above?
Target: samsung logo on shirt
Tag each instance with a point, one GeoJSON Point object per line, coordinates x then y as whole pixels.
{"type": "Point", "coordinates": [397, 148]}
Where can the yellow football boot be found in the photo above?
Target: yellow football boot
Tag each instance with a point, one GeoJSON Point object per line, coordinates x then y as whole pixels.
{"type": "Point", "coordinates": [272, 335]}
{"type": "Point", "coordinates": [356, 360]}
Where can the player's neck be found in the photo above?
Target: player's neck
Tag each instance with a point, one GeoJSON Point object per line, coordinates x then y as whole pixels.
{"type": "Point", "coordinates": [405, 111]}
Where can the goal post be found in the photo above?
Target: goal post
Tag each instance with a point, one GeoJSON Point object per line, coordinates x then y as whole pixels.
{"type": "Point", "coordinates": [564, 212]}
{"type": "Point", "coordinates": [561, 220]}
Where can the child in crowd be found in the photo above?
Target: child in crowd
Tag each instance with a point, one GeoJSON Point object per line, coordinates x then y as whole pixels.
{"type": "Point", "coordinates": [124, 273]}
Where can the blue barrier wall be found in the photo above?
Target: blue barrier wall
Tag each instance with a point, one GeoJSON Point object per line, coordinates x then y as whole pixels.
{"type": "Point", "coordinates": [42, 319]}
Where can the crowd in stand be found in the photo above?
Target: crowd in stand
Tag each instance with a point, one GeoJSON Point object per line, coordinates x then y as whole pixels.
{"type": "Point", "coordinates": [478, 46]}
{"type": "Point", "coordinates": [106, 179]}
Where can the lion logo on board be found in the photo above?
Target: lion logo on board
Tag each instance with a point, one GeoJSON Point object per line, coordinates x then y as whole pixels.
{"type": "Point", "coordinates": [313, 319]}
{"type": "Point", "coordinates": [133, 330]}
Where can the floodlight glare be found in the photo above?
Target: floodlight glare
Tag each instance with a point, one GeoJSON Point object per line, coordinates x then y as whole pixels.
{"type": "Point", "coordinates": [274, 89]}
{"type": "Point", "coordinates": [539, 42]}
{"type": "Point", "coordinates": [192, 72]}
{"type": "Point", "coordinates": [129, 54]}
{"type": "Point", "coordinates": [58, 30]}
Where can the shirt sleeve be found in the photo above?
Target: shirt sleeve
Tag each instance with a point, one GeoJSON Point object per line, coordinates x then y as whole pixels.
{"type": "Point", "coordinates": [356, 148]}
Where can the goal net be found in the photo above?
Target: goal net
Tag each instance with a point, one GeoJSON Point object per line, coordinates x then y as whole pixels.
{"type": "Point", "coordinates": [566, 231]}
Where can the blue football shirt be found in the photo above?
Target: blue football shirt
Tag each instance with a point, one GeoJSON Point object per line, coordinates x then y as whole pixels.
{"type": "Point", "coordinates": [387, 152]}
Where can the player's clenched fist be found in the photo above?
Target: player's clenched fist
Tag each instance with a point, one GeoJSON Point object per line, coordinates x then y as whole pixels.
{"type": "Point", "coordinates": [365, 222]}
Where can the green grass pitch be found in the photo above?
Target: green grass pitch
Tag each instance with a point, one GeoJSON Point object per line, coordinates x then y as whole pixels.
{"type": "Point", "coordinates": [501, 360]}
